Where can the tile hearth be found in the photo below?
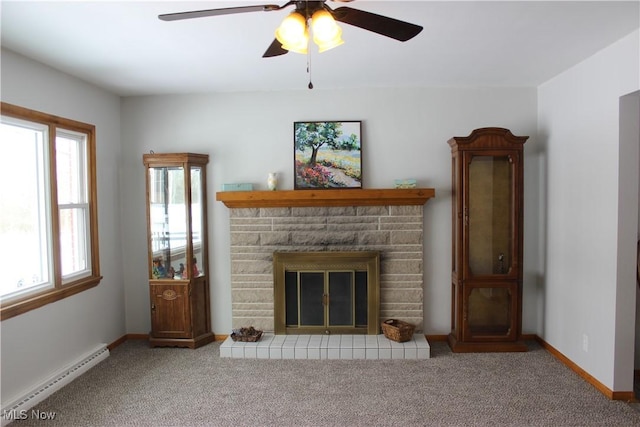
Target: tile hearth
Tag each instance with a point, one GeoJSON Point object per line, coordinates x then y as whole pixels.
{"type": "Point", "coordinates": [322, 347]}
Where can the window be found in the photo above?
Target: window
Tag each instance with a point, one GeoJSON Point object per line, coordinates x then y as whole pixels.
{"type": "Point", "coordinates": [48, 219]}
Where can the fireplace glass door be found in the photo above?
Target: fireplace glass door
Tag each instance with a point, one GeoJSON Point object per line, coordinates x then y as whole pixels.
{"type": "Point", "coordinates": [326, 292]}
{"type": "Point", "coordinates": [328, 301]}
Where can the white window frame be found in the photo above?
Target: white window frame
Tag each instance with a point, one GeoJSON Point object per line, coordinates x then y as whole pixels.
{"type": "Point", "coordinates": [81, 139]}
{"type": "Point", "coordinates": [59, 286]}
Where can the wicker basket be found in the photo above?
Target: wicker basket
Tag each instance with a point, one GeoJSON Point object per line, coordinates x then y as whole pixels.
{"type": "Point", "coordinates": [246, 334]}
{"type": "Point", "coordinates": [397, 330]}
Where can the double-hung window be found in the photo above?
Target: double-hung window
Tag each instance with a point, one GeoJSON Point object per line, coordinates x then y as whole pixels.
{"type": "Point", "coordinates": [48, 218]}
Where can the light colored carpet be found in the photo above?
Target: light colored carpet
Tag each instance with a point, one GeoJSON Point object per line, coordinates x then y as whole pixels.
{"type": "Point", "coordinates": [140, 386]}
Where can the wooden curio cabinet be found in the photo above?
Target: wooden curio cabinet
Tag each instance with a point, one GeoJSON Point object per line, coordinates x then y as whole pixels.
{"type": "Point", "coordinates": [177, 242]}
{"type": "Point", "coordinates": [486, 279]}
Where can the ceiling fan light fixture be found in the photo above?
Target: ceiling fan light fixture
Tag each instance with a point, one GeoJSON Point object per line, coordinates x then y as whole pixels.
{"type": "Point", "coordinates": [312, 16]}
{"type": "Point", "coordinates": [326, 33]}
{"type": "Point", "coordinates": [292, 32]}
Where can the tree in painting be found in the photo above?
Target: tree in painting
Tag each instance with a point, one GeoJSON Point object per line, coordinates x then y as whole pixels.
{"type": "Point", "coordinates": [325, 156]}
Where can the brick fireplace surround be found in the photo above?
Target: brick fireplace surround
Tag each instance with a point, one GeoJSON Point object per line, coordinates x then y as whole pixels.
{"type": "Point", "coordinates": [388, 221]}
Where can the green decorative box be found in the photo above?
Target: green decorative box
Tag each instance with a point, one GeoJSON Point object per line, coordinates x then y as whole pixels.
{"type": "Point", "coordinates": [237, 187]}
{"type": "Point", "coordinates": [405, 183]}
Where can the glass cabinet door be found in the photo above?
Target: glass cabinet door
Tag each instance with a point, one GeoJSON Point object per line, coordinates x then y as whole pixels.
{"type": "Point", "coordinates": [489, 311]}
{"type": "Point", "coordinates": [197, 228]}
{"type": "Point", "coordinates": [489, 215]}
{"type": "Point", "coordinates": [167, 223]}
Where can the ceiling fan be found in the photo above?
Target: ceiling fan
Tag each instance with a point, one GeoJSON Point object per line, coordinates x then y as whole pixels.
{"type": "Point", "coordinates": [311, 11]}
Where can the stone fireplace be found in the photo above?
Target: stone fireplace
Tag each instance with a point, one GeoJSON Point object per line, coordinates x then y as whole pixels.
{"type": "Point", "coordinates": [388, 222]}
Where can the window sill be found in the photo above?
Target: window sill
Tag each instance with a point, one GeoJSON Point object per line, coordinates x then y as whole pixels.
{"type": "Point", "coordinates": [31, 302]}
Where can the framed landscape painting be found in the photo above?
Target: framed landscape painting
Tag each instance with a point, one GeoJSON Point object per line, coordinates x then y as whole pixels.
{"type": "Point", "coordinates": [327, 154]}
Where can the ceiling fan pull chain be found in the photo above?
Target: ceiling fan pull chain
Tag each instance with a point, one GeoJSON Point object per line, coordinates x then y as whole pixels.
{"type": "Point", "coordinates": [307, 14]}
{"type": "Point", "coordinates": [309, 68]}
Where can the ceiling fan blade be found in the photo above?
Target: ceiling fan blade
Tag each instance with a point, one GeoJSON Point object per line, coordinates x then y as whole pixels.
{"type": "Point", "coordinates": [382, 25]}
{"type": "Point", "coordinates": [274, 49]}
{"type": "Point", "coordinates": [216, 12]}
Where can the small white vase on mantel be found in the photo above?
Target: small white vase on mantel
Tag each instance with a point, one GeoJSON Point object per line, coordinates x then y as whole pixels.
{"type": "Point", "coordinates": [272, 181]}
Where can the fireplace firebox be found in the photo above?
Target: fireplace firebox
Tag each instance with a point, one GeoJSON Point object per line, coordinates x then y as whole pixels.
{"type": "Point", "coordinates": [326, 292]}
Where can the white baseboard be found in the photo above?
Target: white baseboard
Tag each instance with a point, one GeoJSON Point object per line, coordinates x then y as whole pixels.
{"type": "Point", "coordinates": [20, 408]}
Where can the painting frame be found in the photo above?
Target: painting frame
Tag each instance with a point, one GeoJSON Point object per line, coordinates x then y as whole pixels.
{"type": "Point", "coordinates": [327, 154]}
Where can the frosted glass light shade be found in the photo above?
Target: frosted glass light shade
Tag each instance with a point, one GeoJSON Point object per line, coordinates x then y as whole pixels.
{"type": "Point", "coordinates": [293, 34]}
{"type": "Point", "coordinates": [326, 33]}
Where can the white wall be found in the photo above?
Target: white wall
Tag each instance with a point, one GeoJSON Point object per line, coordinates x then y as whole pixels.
{"type": "Point", "coordinates": [628, 212]}
{"type": "Point", "coordinates": [247, 135]}
{"type": "Point", "coordinates": [630, 130]}
{"type": "Point", "coordinates": [36, 344]}
{"type": "Point", "coordinates": [585, 220]}
{"type": "Point", "coordinates": [637, 347]}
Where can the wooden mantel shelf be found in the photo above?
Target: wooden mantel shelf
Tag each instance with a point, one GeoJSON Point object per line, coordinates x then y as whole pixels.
{"type": "Point", "coordinates": [316, 198]}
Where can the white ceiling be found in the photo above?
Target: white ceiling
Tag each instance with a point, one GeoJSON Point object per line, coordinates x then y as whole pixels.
{"type": "Point", "coordinates": [123, 46]}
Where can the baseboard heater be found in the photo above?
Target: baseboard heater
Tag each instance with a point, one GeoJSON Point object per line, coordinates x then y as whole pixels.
{"type": "Point", "coordinates": [19, 408]}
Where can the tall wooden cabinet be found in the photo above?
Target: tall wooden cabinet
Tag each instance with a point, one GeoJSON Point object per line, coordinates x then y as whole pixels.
{"type": "Point", "coordinates": [486, 277]}
{"type": "Point", "coordinates": [178, 256]}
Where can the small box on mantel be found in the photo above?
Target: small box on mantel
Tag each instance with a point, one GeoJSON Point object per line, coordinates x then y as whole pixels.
{"type": "Point", "coordinates": [237, 187]}
{"type": "Point", "coordinates": [405, 183]}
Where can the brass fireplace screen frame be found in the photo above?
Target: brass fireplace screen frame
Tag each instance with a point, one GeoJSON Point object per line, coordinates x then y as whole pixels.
{"type": "Point", "coordinates": [365, 261]}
